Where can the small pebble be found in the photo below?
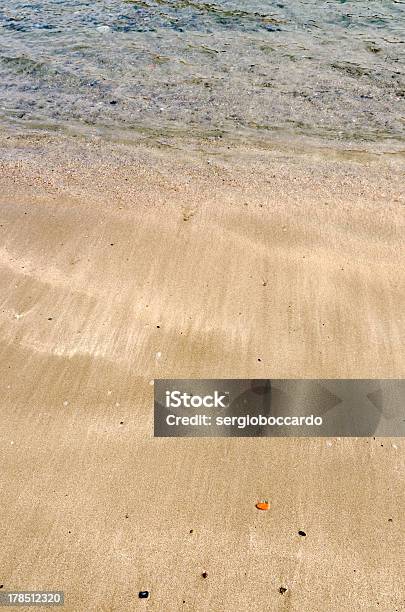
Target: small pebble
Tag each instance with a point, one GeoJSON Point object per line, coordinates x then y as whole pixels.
{"type": "Point", "coordinates": [143, 594]}
{"type": "Point", "coordinates": [282, 590]}
{"type": "Point", "coordinates": [302, 533]}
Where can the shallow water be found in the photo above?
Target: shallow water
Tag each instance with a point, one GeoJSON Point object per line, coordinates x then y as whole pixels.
{"type": "Point", "coordinates": [333, 70]}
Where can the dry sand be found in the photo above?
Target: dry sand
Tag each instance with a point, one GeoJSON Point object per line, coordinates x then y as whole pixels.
{"type": "Point", "coordinates": [290, 255]}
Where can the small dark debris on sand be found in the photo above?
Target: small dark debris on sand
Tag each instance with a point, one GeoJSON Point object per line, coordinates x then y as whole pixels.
{"type": "Point", "coordinates": [282, 590]}
{"type": "Point", "coordinates": [302, 533]}
{"type": "Point", "coordinates": [204, 575]}
{"type": "Point", "coordinates": [143, 594]}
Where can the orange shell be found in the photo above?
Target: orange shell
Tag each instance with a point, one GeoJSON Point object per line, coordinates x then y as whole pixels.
{"type": "Point", "coordinates": [263, 505]}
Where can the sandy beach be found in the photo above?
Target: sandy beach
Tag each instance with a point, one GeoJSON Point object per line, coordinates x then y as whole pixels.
{"type": "Point", "coordinates": [120, 264]}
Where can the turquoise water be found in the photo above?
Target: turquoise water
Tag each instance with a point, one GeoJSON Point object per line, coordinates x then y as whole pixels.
{"type": "Point", "coordinates": [333, 70]}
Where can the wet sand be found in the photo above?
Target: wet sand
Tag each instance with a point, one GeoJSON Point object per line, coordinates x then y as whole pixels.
{"type": "Point", "coordinates": [120, 264]}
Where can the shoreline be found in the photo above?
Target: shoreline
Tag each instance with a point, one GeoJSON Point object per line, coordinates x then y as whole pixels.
{"type": "Point", "coordinates": [196, 140]}
{"type": "Point", "coordinates": [260, 229]}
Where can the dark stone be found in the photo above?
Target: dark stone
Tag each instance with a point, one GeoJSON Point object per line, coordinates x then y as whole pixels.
{"type": "Point", "coordinates": [302, 533]}
{"type": "Point", "coordinates": [204, 575]}
{"type": "Point", "coordinates": [282, 590]}
{"type": "Point", "coordinates": [143, 594]}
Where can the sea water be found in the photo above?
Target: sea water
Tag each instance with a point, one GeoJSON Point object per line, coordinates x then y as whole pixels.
{"type": "Point", "coordinates": [333, 70]}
